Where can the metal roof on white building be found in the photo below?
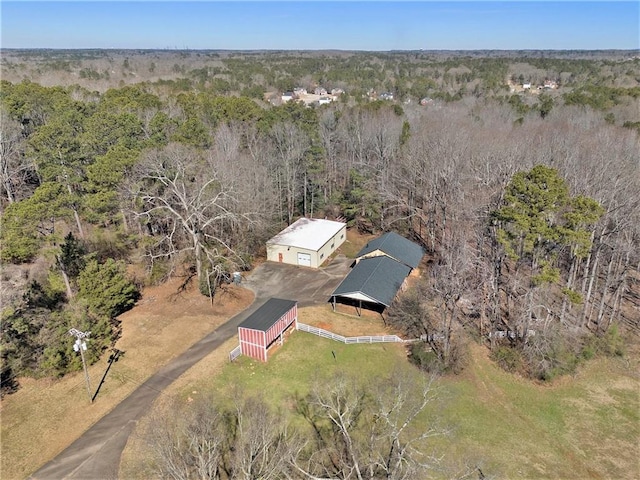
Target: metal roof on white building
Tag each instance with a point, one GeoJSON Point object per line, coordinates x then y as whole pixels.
{"type": "Point", "coordinates": [308, 233]}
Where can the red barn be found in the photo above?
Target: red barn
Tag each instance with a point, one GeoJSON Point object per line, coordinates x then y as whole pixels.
{"type": "Point", "coordinates": [265, 326]}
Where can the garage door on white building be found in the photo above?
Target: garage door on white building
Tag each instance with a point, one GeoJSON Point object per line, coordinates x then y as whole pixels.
{"type": "Point", "coordinates": [304, 259]}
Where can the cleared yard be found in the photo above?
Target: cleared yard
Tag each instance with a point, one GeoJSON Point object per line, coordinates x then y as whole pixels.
{"type": "Point", "coordinates": [586, 426]}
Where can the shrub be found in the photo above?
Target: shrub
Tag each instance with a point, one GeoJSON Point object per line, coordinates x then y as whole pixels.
{"type": "Point", "coordinates": [551, 354]}
{"type": "Point", "coordinates": [508, 358]}
{"type": "Point", "coordinates": [423, 357]}
{"type": "Point", "coordinates": [106, 289]}
{"type": "Point", "coordinates": [610, 344]}
{"type": "Point", "coordinates": [160, 271]}
{"type": "Point", "coordinates": [432, 359]}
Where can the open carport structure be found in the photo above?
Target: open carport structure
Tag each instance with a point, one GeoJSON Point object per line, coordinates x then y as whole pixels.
{"type": "Point", "coordinates": [373, 282]}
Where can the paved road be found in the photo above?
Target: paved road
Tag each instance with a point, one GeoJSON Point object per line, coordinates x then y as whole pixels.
{"type": "Point", "coordinates": [96, 454]}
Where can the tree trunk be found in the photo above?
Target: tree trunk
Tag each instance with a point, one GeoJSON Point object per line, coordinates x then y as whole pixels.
{"type": "Point", "coordinates": [586, 311]}
{"type": "Point", "coordinates": [197, 249]}
{"type": "Point", "coordinates": [569, 285]}
{"type": "Point", "coordinates": [605, 289]}
{"type": "Point", "coordinates": [125, 225]}
{"type": "Point", "coordinates": [7, 185]}
{"type": "Point", "coordinates": [65, 277]}
{"type": "Point", "coordinates": [75, 214]}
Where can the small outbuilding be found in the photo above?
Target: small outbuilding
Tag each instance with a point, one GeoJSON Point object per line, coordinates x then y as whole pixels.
{"type": "Point", "coordinates": [393, 246]}
{"type": "Point", "coordinates": [266, 327]}
{"type": "Point", "coordinates": [307, 242]}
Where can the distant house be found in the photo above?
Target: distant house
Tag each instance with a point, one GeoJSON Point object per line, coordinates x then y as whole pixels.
{"type": "Point", "coordinates": [337, 91]}
{"type": "Point", "coordinates": [526, 86]}
{"type": "Point", "coordinates": [307, 242]}
{"type": "Point", "coordinates": [287, 97]}
{"type": "Point", "coordinates": [550, 84]}
{"type": "Point", "coordinates": [320, 91]}
{"type": "Point", "coordinates": [299, 91]}
{"type": "Point", "coordinates": [386, 96]}
{"type": "Point", "coordinates": [324, 100]}
{"type": "Point", "coordinates": [426, 101]}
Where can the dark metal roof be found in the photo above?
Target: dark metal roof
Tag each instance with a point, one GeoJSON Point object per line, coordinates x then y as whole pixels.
{"type": "Point", "coordinates": [397, 247]}
{"type": "Point", "coordinates": [379, 278]}
{"type": "Point", "coordinates": [268, 314]}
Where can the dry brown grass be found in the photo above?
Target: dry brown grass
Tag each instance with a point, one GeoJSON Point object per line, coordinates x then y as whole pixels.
{"type": "Point", "coordinates": [45, 416]}
{"type": "Point", "coordinates": [354, 243]}
{"type": "Point", "coordinates": [345, 324]}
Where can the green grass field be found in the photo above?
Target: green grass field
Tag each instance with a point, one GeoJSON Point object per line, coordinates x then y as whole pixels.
{"type": "Point", "coordinates": [303, 359]}
{"type": "Point", "coordinates": [586, 426]}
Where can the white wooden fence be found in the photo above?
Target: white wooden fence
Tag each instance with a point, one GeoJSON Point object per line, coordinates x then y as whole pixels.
{"type": "Point", "coordinates": [235, 353]}
{"type": "Point", "coordinates": [361, 339]}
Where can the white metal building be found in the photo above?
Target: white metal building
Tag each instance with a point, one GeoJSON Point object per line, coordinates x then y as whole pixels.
{"type": "Point", "coordinates": [308, 242]}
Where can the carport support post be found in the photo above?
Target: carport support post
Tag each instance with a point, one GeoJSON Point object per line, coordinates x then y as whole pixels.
{"type": "Point", "coordinates": [334, 303]}
{"type": "Point", "coordinates": [359, 311]}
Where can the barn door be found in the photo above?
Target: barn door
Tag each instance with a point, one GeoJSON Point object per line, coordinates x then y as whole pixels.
{"type": "Point", "coordinates": [280, 257]}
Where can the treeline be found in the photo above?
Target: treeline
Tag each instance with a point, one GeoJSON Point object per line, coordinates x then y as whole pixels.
{"type": "Point", "coordinates": [202, 180]}
{"type": "Point", "coordinates": [407, 74]}
{"type": "Point", "coordinates": [341, 429]}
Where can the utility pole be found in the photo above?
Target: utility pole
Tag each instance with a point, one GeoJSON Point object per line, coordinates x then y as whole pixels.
{"type": "Point", "coordinates": [81, 346]}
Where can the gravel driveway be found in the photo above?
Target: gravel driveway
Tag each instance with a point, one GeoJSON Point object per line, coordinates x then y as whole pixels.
{"type": "Point", "coordinates": [309, 286]}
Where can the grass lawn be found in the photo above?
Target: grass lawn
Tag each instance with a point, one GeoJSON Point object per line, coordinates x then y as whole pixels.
{"type": "Point", "coordinates": [303, 359]}
{"type": "Point", "coordinates": [585, 426]}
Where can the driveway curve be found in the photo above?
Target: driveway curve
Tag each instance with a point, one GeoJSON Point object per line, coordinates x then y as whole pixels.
{"type": "Point", "coordinates": [96, 453]}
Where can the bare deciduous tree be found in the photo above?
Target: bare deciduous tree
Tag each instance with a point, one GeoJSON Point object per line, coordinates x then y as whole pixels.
{"type": "Point", "coordinates": [207, 441]}
{"type": "Point", "coordinates": [288, 144]}
{"type": "Point", "coordinates": [186, 443]}
{"type": "Point", "coordinates": [259, 441]}
{"type": "Point", "coordinates": [15, 168]}
{"type": "Point", "coordinates": [368, 432]}
{"type": "Point", "coordinates": [188, 207]}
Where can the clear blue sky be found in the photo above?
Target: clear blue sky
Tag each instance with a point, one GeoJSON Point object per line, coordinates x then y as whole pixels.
{"type": "Point", "coordinates": [292, 25]}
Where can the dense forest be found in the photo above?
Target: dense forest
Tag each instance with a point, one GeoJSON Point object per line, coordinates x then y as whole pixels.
{"type": "Point", "coordinates": [527, 200]}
